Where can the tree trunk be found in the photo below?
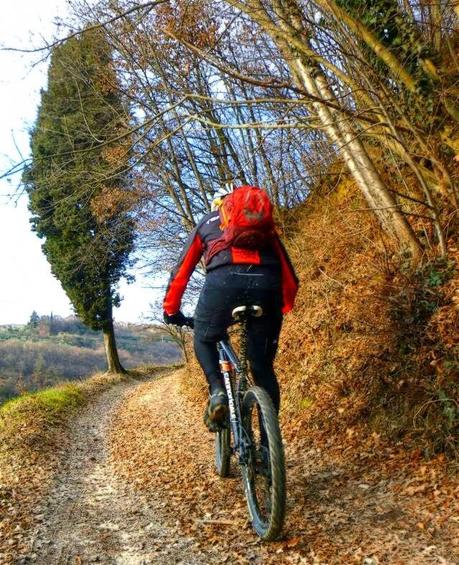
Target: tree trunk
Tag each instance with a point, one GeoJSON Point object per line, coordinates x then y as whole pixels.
{"type": "Point", "coordinates": [308, 75]}
{"type": "Point", "coordinates": [182, 343]}
{"type": "Point", "coordinates": [341, 132]}
{"type": "Point", "coordinates": [111, 352]}
{"type": "Point", "coordinates": [356, 158]}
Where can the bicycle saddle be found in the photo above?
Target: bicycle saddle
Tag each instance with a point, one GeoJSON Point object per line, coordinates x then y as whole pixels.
{"type": "Point", "coordinates": [252, 310]}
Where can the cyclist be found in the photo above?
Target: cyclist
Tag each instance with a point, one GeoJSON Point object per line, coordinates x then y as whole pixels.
{"type": "Point", "coordinates": [234, 276]}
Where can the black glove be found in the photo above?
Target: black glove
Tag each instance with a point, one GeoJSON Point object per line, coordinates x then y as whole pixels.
{"type": "Point", "coordinates": [178, 319]}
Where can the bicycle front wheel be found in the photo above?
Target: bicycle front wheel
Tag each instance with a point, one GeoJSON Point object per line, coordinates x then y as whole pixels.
{"type": "Point", "coordinates": [264, 470]}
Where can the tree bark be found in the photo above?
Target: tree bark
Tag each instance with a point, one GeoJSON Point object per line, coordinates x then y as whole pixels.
{"type": "Point", "coordinates": [368, 178]}
{"type": "Point", "coordinates": [346, 138]}
{"type": "Point", "coordinates": [111, 351]}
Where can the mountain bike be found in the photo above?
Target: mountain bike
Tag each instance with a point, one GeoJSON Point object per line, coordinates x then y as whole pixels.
{"type": "Point", "coordinates": [252, 435]}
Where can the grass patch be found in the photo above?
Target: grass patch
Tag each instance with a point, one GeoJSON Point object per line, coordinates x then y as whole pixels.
{"type": "Point", "coordinates": [50, 403]}
{"type": "Point", "coordinates": [32, 423]}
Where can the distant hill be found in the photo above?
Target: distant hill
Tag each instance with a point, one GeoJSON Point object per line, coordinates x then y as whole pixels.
{"type": "Point", "coordinates": [51, 349]}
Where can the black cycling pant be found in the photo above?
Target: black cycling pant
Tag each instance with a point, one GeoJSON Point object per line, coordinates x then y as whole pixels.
{"type": "Point", "coordinates": [225, 288]}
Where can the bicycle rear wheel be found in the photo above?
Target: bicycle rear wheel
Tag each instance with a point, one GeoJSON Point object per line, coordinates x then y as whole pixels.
{"type": "Point", "coordinates": [223, 451]}
{"type": "Point", "coordinates": [264, 472]}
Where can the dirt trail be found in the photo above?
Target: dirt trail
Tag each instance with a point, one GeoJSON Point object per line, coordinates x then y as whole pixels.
{"type": "Point", "coordinates": [91, 517]}
{"type": "Point", "coordinates": [339, 511]}
{"type": "Point", "coordinates": [138, 487]}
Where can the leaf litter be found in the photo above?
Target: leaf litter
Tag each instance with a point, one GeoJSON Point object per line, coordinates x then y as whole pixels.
{"type": "Point", "coordinates": [133, 480]}
{"type": "Point", "coordinates": [361, 501]}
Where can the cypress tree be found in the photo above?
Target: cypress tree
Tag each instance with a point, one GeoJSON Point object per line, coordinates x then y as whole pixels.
{"type": "Point", "coordinates": [34, 320]}
{"type": "Point", "coordinates": [78, 184]}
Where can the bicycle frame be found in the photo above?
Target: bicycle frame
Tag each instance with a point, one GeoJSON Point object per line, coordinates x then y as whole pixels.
{"type": "Point", "coordinates": [231, 365]}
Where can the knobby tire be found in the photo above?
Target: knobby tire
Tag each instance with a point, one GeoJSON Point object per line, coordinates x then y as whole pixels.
{"type": "Point", "coordinates": [267, 524]}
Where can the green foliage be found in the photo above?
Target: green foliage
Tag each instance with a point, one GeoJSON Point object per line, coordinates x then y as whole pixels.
{"type": "Point", "coordinates": [438, 273]}
{"type": "Point", "coordinates": [306, 403]}
{"type": "Point", "coordinates": [34, 320]}
{"type": "Point", "coordinates": [76, 165]}
{"type": "Point", "coordinates": [425, 370]}
{"type": "Point", "coordinates": [421, 296]}
{"type": "Point", "coordinates": [435, 278]}
{"type": "Point", "coordinates": [399, 33]}
{"type": "Point", "coordinates": [450, 409]}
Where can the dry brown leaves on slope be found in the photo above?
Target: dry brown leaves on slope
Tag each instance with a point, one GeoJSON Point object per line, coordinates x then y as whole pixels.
{"type": "Point", "coordinates": [361, 503]}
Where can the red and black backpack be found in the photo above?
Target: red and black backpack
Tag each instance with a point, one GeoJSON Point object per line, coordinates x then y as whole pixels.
{"type": "Point", "coordinates": [246, 219]}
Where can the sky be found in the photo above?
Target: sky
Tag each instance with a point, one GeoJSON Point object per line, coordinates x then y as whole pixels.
{"type": "Point", "coordinates": [26, 282]}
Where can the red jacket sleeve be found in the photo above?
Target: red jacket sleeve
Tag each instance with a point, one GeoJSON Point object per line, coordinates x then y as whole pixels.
{"type": "Point", "coordinates": [180, 275]}
{"type": "Point", "coordinates": [289, 279]}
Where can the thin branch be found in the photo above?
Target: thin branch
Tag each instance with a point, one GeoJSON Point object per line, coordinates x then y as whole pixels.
{"type": "Point", "coordinates": [148, 6]}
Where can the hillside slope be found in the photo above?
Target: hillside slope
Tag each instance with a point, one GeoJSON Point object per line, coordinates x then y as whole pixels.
{"type": "Point", "coordinates": [368, 365]}
{"type": "Point", "coordinates": [32, 358]}
{"type": "Point", "coordinates": [371, 349]}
